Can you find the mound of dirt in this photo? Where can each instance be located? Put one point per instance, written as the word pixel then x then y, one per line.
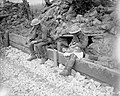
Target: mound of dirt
pixel 15 18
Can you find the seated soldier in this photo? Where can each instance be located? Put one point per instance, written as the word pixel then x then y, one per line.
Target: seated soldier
pixel 75 49
pixel 42 43
pixel 36 35
pixel 39 40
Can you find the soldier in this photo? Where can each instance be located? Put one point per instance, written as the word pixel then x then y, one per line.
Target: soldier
pixel 37 35
pixel 76 49
pixel 42 43
pixel 39 40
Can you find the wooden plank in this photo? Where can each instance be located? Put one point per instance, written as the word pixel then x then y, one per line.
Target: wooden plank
pixel 101 73
pixel 20 47
pixel 19 39
pixel 67 35
pixel 55 55
pixel 18 42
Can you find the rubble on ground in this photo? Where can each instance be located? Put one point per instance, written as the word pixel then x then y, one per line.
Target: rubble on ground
pixel 21 77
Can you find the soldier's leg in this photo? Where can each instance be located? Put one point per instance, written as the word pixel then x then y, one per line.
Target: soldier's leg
pixel 37 50
pixel 93 54
pixel 33 56
pixel 69 64
pixel 42 51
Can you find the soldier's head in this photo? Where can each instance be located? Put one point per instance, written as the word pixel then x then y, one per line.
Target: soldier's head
pixel 35 22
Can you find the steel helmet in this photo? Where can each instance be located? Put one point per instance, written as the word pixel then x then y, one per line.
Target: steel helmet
pixel 35 22
pixel 74 29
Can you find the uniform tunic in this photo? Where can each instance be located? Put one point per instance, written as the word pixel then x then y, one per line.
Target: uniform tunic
pixel 42 37
pixel 37 32
pixel 77 45
pixel 45 40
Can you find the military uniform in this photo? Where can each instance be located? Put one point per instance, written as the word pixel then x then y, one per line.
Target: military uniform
pixel 36 28
pixel 75 50
pixel 42 43
pixel 39 40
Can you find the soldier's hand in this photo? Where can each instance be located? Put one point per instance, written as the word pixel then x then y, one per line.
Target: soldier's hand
pixel 33 42
pixel 67 54
pixel 72 46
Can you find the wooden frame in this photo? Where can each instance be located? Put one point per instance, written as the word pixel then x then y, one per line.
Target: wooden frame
pixel 99 72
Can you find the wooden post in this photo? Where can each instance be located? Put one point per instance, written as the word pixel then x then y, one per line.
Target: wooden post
pixel 55 54
pixel 59 46
pixel 6 35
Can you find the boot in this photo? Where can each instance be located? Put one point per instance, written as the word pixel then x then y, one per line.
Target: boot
pixel 43 60
pixel 68 67
pixel 32 58
pixel 66 72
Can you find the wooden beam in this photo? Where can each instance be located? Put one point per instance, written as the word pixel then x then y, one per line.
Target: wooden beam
pixel 18 39
pixel 98 72
pixel 20 47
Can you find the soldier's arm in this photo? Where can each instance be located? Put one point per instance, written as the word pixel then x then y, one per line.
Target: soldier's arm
pixel 44 34
pixel 84 43
pixel 34 34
